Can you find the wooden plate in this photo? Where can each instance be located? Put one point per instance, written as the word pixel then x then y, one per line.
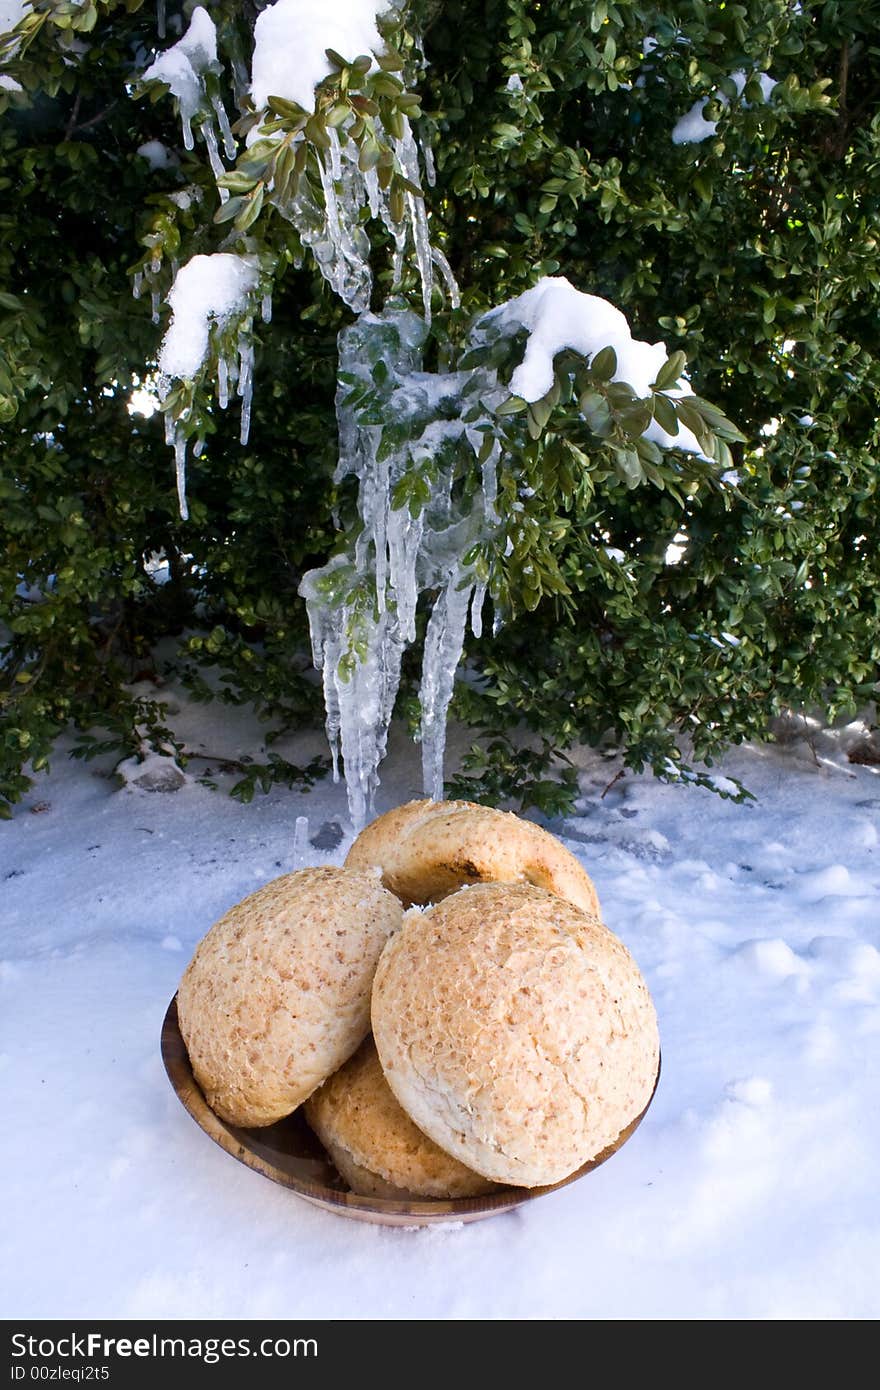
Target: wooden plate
pixel 289 1153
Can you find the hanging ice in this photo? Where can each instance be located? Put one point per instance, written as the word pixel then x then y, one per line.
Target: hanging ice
pixel 208 291
pixel 330 226
pixel 362 606
pixel 444 642
pixel 184 68
pixel 291 39
pixel 425 449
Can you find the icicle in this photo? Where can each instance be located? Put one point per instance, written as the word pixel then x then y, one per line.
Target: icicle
pixel 137 283
pixel 180 470
pixel 198 448
pixel 301 842
pixel 160 18
pixel 477 603
pixel 266 307
pixel 407 152
pixel 444 641
pixel 399 251
pixel 245 432
pixel 225 128
pixel 422 247
pixel 448 277
pixel 338 242
pixel 361 624
pixel 374 192
pixel 404 535
pixel 222 383
pixel 335 155
pixel 245 384
pixel 428 161
pixel 358 698
pixel 154 305
pixel 183 66
pixel 218 169
pixel 490 483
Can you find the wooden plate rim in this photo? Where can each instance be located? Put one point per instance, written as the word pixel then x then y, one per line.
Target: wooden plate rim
pixel 239 1143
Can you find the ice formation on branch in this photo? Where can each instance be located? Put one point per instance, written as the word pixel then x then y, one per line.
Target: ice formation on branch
pixel 208 291
pixel 557 316
pixel 184 68
pixel 425 449
pixel 417 530
pixel 290 59
pixel 291 39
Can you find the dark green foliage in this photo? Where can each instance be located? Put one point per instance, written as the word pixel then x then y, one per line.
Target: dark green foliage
pixel 755 253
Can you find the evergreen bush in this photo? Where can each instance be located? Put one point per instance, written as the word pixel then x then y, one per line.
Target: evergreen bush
pixel 676 616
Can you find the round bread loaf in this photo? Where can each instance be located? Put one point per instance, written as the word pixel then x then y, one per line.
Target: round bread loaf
pixel 428 849
pixel 375 1145
pixel 277 995
pixel 516 1030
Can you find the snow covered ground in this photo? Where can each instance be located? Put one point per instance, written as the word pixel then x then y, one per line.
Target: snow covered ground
pixel 748 1192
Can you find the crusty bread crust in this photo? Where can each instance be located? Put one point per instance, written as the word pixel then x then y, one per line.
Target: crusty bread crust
pixel 428 849
pixel 375 1145
pixel 516 1030
pixel 277 995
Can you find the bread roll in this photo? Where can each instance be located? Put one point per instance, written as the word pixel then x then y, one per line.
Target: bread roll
pixel 428 849
pixel 516 1031
pixel 375 1145
pixel 277 995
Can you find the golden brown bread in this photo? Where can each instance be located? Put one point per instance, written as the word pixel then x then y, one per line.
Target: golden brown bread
pixel 277 995
pixel 375 1145
pixel 516 1030
pixel 428 849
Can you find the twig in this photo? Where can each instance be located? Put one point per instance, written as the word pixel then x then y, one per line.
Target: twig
pixel 810 739
pixel 95 120
pixel 72 128
pixel 616 778
pixel 217 758
pixel 71 121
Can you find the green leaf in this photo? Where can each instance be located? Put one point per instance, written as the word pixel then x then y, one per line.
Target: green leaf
pixel 390 60
pixel 541 411
pixel 231 208
pixel 670 372
pixel 514 405
pixel 281 106
pixel 251 211
pixel 665 413
pixel 236 182
pixel 629 466
pixel 604 364
pixel 369 156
